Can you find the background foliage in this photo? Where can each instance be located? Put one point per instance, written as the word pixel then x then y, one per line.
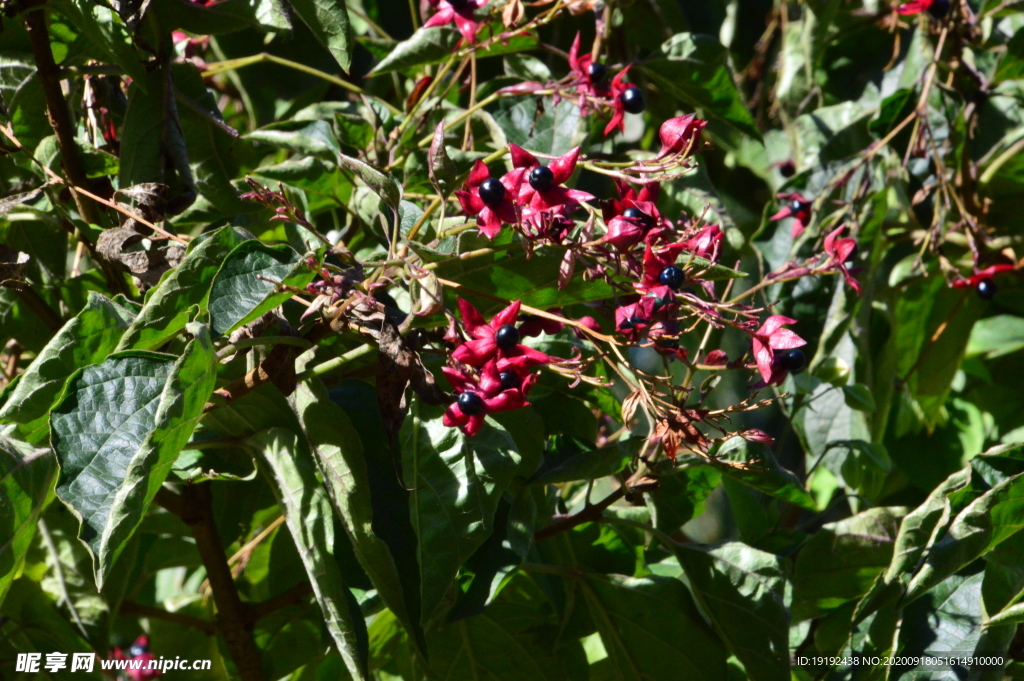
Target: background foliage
pixel 176 460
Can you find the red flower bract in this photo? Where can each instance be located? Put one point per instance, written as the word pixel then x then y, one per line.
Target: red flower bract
pixel 680 134
pixel 493 397
pixel 798 208
pixel 490 218
pixel 769 338
pixel 979 275
pixel 838 251
pixel 462 16
pixel 556 195
pixel 484 347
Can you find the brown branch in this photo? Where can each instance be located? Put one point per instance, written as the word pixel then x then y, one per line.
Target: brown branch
pixel 60 121
pixel 139 610
pixel 281 600
pixel 234 617
pixel 589 514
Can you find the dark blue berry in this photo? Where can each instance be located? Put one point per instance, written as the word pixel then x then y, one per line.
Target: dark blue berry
pixel 509 380
pixel 507 337
pixel 787 169
pixel 634 213
pixel 792 361
pixel 597 72
pixel 987 289
pixel 492 191
pixel 541 178
pixel 138 649
pixel 471 404
pixel 673 277
pixel 797 206
pixel 633 100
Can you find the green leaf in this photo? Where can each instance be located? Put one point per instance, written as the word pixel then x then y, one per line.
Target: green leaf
pixel 167 305
pixel 515 639
pixel 244 286
pixel 765 473
pixel 85 339
pixel 680 497
pixel 694 68
pixel 328 19
pixel 573 459
pixel 742 591
pixel 651 629
pixel 456 482
pixel 26 481
pixel 379 182
pixel 222 17
pixel 1011 66
pixel 996 336
pixel 311 138
pixel 339 453
pixel 105 30
pixel 839 563
pixel 117 431
pixel 986 522
pixel 310 519
pixel 858 396
pixel 426 46
pixel 922 527
pixel 555 130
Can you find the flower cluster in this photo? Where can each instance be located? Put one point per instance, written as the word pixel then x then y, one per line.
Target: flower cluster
pixel 139 650
pixel 492 371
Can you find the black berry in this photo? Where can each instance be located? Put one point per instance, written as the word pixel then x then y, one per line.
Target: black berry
pixel 787 169
pixel 471 404
pixel 138 649
pixel 987 289
pixel 667 344
pixel 492 192
pixel 597 72
pixel 509 380
pixel 507 337
pixel 939 9
pixel 797 206
pixel 633 100
pixel 541 178
pixel 634 213
pixel 673 277
pixel 792 361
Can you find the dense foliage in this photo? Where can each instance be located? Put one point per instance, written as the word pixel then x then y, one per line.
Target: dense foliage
pixel 565 340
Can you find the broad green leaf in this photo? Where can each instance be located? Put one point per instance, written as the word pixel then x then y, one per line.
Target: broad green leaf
pixel 167 305
pixel 23 97
pixel 310 519
pixel 85 339
pixel 996 336
pixel 106 32
pixel 26 481
pixel 839 563
pixel 922 527
pixel 379 182
pixel 1011 65
pixel 227 16
pixel 651 629
pixel 456 482
pixel 425 46
pixel 986 522
pixel 244 286
pixel 573 459
pixel 515 639
pixel 328 19
pixel 212 149
pixel 555 131
pixel 695 69
pixel 339 452
pixel 741 590
pixel 309 138
pixel 680 497
pixel 118 429
pixel 858 396
pixel 764 472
